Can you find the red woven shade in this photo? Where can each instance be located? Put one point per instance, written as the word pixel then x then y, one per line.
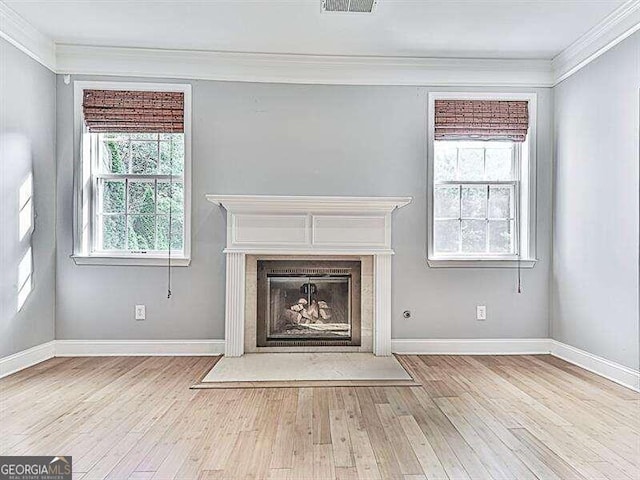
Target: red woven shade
pixel 481 120
pixel 133 111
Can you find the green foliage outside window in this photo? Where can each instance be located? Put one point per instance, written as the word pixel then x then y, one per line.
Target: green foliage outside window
pixel 134 211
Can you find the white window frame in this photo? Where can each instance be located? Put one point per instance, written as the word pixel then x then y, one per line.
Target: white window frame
pixel 84 191
pixel 525 197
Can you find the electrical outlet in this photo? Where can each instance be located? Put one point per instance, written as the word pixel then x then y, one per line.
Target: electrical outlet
pixel 481 312
pixel 141 312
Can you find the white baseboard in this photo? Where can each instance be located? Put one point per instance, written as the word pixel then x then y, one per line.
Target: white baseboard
pixel 96 348
pixel 498 346
pixel 26 358
pixel 521 346
pixel 613 371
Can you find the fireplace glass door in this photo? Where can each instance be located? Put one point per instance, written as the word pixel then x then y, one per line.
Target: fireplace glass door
pixel 309 307
pixel 308 303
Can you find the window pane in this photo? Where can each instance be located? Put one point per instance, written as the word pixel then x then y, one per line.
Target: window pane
pixel 177 232
pixel 113 200
pixel 445 163
pixel 141 197
pixel 500 236
pixel 114 154
pixel 498 164
pixel 144 157
pixel 500 202
pixel 474 202
pixel 446 235
pixel 141 232
pixel 113 232
pixel 471 164
pixel 447 202
pixel 474 236
pixel 176 201
pixel 172 153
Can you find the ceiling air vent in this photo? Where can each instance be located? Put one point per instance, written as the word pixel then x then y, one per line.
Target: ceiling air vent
pixel 349 6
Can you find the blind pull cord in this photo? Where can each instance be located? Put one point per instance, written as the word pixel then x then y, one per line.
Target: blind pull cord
pixel 170 218
pixel 519 280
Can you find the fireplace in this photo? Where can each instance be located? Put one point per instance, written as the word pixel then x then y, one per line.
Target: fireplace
pixel 313 230
pixel 308 303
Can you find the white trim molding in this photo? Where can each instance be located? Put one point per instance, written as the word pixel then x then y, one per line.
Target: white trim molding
pixel 471 346
pixel 302 69
pixel 27 358
pixel 613 371
pixel 234 305
pixel 382 305
pixel 613 29
pixel 140 261
pixel 481 263
pixel 108 348
pixel 24 36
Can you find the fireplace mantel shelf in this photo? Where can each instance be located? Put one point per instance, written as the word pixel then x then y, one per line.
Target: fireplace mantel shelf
pixel 314 204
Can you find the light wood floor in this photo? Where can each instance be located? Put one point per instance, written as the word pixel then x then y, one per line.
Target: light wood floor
pixel 479 417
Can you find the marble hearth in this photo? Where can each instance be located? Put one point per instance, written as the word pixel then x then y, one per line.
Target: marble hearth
pixel 316 230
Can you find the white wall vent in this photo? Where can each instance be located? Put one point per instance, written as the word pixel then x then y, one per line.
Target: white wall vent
pixel 349 6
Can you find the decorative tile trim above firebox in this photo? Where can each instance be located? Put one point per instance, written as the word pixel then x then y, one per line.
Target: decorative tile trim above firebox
pixel 307 225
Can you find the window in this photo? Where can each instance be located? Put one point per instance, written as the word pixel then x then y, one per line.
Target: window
pixel 480 188
pixel 135 175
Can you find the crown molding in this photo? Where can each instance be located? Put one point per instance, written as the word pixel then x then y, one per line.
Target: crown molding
pixel 319 69
pixel 24 36
pixel 613 29
pixel 301 69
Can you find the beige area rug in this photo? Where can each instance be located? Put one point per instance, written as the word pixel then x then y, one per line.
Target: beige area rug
pixel 262 370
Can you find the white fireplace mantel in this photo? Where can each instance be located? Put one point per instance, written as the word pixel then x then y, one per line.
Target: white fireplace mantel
pixel 307 225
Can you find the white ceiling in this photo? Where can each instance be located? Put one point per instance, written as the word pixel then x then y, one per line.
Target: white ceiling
pixel 417 28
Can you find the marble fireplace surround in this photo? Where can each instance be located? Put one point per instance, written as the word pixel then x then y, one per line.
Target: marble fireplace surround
pixel 299 227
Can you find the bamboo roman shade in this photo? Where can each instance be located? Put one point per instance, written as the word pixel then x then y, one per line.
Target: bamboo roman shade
pixel 481 120
pixel 133 111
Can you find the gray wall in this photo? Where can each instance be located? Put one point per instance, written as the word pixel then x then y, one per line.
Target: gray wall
pixel 305 140
pixel 27 143
pixel 595 260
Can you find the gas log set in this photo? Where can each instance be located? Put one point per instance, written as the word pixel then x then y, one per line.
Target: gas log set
pixel 304 312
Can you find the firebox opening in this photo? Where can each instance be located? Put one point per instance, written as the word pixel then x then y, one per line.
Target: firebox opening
pixel 313 303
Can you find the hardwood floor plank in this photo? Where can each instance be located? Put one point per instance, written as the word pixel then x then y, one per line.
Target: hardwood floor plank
pixel 399 442
pixel 282 457
pixel 429 461
pixel 340 440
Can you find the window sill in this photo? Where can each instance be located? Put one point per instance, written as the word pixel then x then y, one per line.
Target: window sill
pixel 150 261
pixel 479 263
